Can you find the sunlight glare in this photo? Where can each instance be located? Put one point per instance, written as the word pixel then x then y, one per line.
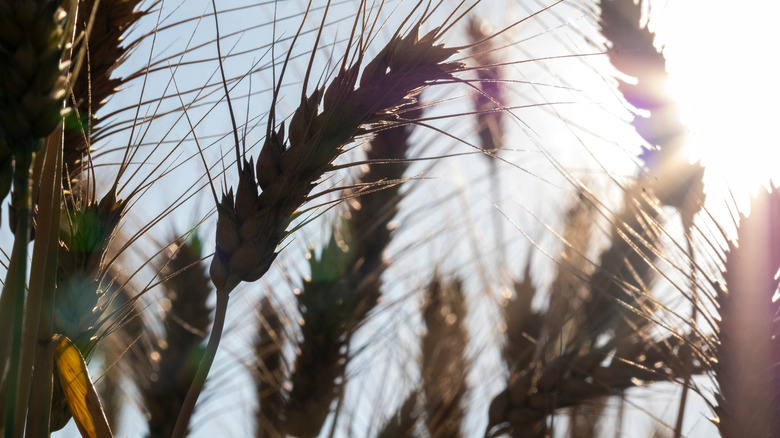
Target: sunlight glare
pixel 724 73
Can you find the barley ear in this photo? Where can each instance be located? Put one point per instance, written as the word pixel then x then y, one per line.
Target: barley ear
pixel 250 226
pixel 103 24
pixel 670 177
pixel 577 378
pixel 523 325
pixel 345 281
pixel 271 373
pixel 186 320
pixel 444 363
pixel 488 97
pixel 746 370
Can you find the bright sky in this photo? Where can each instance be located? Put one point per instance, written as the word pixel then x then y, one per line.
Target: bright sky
pixel 725 71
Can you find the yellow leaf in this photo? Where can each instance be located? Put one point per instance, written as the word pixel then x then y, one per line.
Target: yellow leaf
pixel 82 399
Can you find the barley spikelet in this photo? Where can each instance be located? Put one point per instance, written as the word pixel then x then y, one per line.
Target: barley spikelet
pixel 747 367
pixel 444 365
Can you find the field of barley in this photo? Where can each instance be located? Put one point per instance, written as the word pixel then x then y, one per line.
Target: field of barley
pixel 388 218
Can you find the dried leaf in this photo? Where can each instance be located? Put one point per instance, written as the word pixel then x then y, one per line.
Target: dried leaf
pixel 82 398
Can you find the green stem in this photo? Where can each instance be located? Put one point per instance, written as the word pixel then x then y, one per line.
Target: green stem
pixel 39 417
pixel 188 406
pixel 15 280
pixel 40 299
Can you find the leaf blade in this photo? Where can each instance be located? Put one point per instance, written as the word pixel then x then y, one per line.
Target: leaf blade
pixel 80 392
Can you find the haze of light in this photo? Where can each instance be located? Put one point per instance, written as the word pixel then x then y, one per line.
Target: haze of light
pixel 724 74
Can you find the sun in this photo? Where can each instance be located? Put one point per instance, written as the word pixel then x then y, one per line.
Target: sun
pixel 725 75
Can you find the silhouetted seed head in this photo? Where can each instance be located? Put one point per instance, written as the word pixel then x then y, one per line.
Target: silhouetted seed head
pixel 487 100
pixel 250 227
pixel 746 369
pixel 670 176
pixel 85 235
pixel 96 80
pixel 31 80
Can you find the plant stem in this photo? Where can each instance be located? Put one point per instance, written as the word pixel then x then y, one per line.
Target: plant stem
pixel 15 280
pixel 686 353
pixel 188 406
pixel 40 298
